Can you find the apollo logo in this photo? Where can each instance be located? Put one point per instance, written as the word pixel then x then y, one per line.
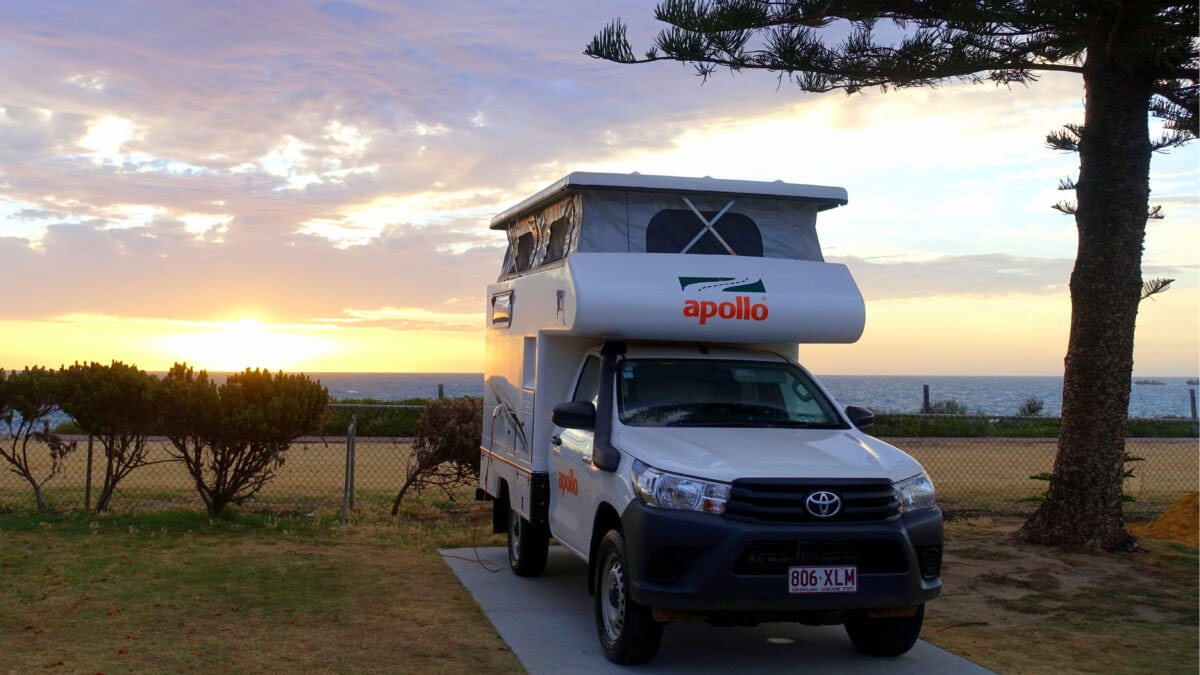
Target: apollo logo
pixel 740 308
pixel 567 482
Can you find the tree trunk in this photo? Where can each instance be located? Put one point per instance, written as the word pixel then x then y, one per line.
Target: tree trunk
pixel 1083 504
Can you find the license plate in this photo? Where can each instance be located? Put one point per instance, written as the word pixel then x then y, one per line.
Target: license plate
pixel 835 579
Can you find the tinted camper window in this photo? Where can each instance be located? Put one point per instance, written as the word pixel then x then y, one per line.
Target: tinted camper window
pixel 524 253
pixel 671 230
pixel 556 245
pixel 588 389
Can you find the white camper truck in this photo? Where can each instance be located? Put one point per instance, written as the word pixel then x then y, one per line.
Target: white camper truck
pixel 644 407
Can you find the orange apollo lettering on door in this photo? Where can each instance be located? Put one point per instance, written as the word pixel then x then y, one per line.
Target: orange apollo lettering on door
pixel 567 482
pixel 740 307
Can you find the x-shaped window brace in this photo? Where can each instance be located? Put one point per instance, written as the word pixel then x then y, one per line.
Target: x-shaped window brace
pixel 708 226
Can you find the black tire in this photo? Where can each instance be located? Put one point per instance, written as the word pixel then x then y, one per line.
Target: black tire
pixel 886 636
pixel 527 546
pixel 628 632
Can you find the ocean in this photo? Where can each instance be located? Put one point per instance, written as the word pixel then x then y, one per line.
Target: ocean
pixel 880 393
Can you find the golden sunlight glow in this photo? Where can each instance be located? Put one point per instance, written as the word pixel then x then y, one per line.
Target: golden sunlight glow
pixel 1005 335
pixel 246 343
pixel 155 344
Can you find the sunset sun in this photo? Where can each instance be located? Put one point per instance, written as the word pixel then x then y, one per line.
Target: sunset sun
pixel 247 343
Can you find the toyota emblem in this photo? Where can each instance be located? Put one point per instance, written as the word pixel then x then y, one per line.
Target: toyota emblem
pixel 823 504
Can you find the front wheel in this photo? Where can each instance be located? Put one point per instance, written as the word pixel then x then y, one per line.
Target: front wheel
pixel 628 632
pixel 528 545
pixel 886 636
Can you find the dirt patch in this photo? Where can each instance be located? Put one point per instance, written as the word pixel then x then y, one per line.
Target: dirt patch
pixel 1017 607
pixel 1180 523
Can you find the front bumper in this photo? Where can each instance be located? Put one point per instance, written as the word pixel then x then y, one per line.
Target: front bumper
pixel 696 562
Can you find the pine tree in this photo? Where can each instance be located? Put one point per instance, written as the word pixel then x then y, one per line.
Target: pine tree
pixel 1136 58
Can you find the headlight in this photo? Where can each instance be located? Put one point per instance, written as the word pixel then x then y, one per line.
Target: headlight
pixel 916 493
pixel 669 491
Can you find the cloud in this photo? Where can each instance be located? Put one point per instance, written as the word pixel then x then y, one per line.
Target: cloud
pixel 975 276
pixel 958 276
pixel 164 270
pixel 340 160
pixel 408 318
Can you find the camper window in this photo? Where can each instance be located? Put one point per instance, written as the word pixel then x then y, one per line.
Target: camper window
pixel 502 309
pixel 672 230
pixel 556 243
pixel 588 389
pixel 523 252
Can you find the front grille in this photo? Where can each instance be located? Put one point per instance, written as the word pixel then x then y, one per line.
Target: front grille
pixel 782 500
pixel 775 557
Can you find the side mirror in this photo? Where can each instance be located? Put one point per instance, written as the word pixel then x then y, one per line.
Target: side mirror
pixel 574 415
pixel 860 416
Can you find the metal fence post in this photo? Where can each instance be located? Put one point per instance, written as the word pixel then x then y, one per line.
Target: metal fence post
pixel 1192 396
pixel 348 487
pixel 87 489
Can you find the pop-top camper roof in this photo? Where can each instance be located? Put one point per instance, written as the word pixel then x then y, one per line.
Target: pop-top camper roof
pixel 667 258
pixel 825 197
pixel 635 213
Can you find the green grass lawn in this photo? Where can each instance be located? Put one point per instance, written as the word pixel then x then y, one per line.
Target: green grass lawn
pixel 178 592
pixel 181 592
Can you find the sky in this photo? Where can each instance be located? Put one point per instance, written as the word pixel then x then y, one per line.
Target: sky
pixel 306 186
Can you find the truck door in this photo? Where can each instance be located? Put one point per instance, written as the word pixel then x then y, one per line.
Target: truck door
pixel 574 482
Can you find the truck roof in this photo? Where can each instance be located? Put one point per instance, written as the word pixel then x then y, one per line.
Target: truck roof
pixel 823 197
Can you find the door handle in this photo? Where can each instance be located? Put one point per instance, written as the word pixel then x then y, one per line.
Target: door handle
pixel 555 440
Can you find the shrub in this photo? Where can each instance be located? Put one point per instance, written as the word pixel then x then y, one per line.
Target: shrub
pixel 446 450
pixel 1162 427
pixel 891 425
pixel 917 426
pixel 27 400
pixel 116 404
pixel 231 438
pixel 1032 407
pixel 386 422
pixel 947 407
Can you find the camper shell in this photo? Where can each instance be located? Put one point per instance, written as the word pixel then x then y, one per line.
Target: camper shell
pixel 614 286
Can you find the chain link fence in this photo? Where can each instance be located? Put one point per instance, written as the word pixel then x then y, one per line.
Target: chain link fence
pixel 332 474
pixel 1005 476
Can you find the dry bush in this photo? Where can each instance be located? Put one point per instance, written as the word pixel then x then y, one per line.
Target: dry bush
pixel 446 451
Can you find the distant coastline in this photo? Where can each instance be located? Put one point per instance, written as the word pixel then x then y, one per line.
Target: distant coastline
pixel 991 395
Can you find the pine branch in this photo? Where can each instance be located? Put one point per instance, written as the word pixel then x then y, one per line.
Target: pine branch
pixel 1003 41
pixel 1152 287
pixel 1066 208
pixel 611 44
pixel 1065 140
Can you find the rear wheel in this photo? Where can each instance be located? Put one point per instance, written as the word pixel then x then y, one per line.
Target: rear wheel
pixel 628 632
pixel 886 636
pixel 528 545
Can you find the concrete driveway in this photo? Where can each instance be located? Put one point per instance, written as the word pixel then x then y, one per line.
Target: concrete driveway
pixel 548 623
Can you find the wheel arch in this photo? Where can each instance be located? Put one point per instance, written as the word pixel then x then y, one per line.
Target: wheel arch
pixel 606 519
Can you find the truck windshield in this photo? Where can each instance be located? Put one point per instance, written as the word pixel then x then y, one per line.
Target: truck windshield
pixel 720 393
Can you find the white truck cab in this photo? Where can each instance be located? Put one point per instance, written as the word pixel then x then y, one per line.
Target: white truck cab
pixel 645 408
